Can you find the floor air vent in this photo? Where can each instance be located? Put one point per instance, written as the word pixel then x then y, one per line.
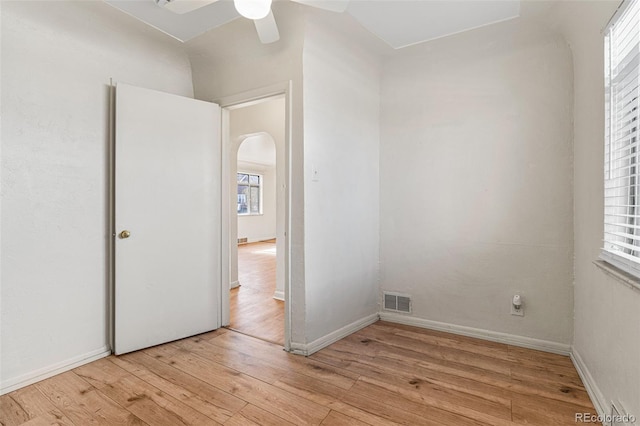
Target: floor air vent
pixel 397 302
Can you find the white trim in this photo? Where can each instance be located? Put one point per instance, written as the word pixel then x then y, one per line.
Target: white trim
pixel 499 21
pixel 278 295
pixel 596 396
pixel 620 274
pixel 224 317
pixel 627 265
pixel 493 336
pixel 46 372
pixel 614 18
pixel 111 247
pixel 258 239
pixel 227 104
pixel 324 341
pixel 255 96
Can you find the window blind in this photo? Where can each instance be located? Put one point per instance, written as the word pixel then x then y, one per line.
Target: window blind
pixel 622 150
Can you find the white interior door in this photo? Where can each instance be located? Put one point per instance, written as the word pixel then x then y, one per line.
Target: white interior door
pixel 167 198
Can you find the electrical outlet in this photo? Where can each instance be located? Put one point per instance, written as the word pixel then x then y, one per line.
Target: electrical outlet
pixel 517 311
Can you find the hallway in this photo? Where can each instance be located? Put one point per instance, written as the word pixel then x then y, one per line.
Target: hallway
pixel 254 311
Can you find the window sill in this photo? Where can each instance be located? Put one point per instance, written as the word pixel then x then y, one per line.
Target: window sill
pixel 617 273
pixel 250 214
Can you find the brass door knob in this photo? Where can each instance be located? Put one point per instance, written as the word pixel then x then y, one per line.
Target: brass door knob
pixel 125 234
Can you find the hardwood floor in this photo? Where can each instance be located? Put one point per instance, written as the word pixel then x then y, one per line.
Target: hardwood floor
pixel 254 311
pixel 385 374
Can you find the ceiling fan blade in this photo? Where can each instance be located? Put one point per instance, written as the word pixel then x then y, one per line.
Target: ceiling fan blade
pixel 183 6
pixel 331 5
pixel 267 29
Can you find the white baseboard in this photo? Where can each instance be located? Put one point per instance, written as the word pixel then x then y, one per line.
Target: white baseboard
pixel 259 239
pixel 263 239
pixel 324 341
pixel 234 284
pixel 597 398
pixel 278 295
pixel 44 373
pixel 494 336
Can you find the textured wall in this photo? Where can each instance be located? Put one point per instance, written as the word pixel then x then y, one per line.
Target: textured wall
pixel 476 179
pixel 607 312
pixel 341 143
pixel 57 58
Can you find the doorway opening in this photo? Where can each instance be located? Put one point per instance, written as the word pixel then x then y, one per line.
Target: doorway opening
pixel 257 301
pixel 255 146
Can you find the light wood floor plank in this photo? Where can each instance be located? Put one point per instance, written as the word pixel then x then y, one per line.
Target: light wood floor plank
pixel 101 373
pixel 253 309
pixel 446 411
pixel 336 419
pixel 274 355
pixel 531 409
pixel 53 418
pixel 454 355
pixel 82 403
pixel 433 367
pixel 208 400
pixel 394 407
pixel 11 413
pixel 406 372
pixel 252 415
pixel 373 358
pixel 265 370
pixel 259 393
pixel 152 405
pixel 448 340
pixel 385 374
pixel 333 397
pixel 32 401
pixel 525 374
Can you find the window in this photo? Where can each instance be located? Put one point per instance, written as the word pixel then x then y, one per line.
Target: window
pixel 622 150
pixel 249 189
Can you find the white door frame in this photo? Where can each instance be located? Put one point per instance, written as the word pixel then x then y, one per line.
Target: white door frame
pixel 227 104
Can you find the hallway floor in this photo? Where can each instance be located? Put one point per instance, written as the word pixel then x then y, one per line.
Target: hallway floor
pixel 254 311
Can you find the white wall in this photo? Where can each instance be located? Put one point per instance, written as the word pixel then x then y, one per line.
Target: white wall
pixel 257 155
pixel 57 58
pixel 341 143
pixel 607 313
pixel 476 179
pixel 263 226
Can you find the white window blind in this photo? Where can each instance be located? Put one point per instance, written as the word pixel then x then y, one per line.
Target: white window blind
pixel 622 153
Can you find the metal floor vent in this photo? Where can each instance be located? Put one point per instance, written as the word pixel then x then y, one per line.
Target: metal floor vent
pixel 397 302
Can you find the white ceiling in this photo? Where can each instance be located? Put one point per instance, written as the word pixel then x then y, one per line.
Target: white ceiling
pixel 399 23
pixel 402 23
pixel 183 27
